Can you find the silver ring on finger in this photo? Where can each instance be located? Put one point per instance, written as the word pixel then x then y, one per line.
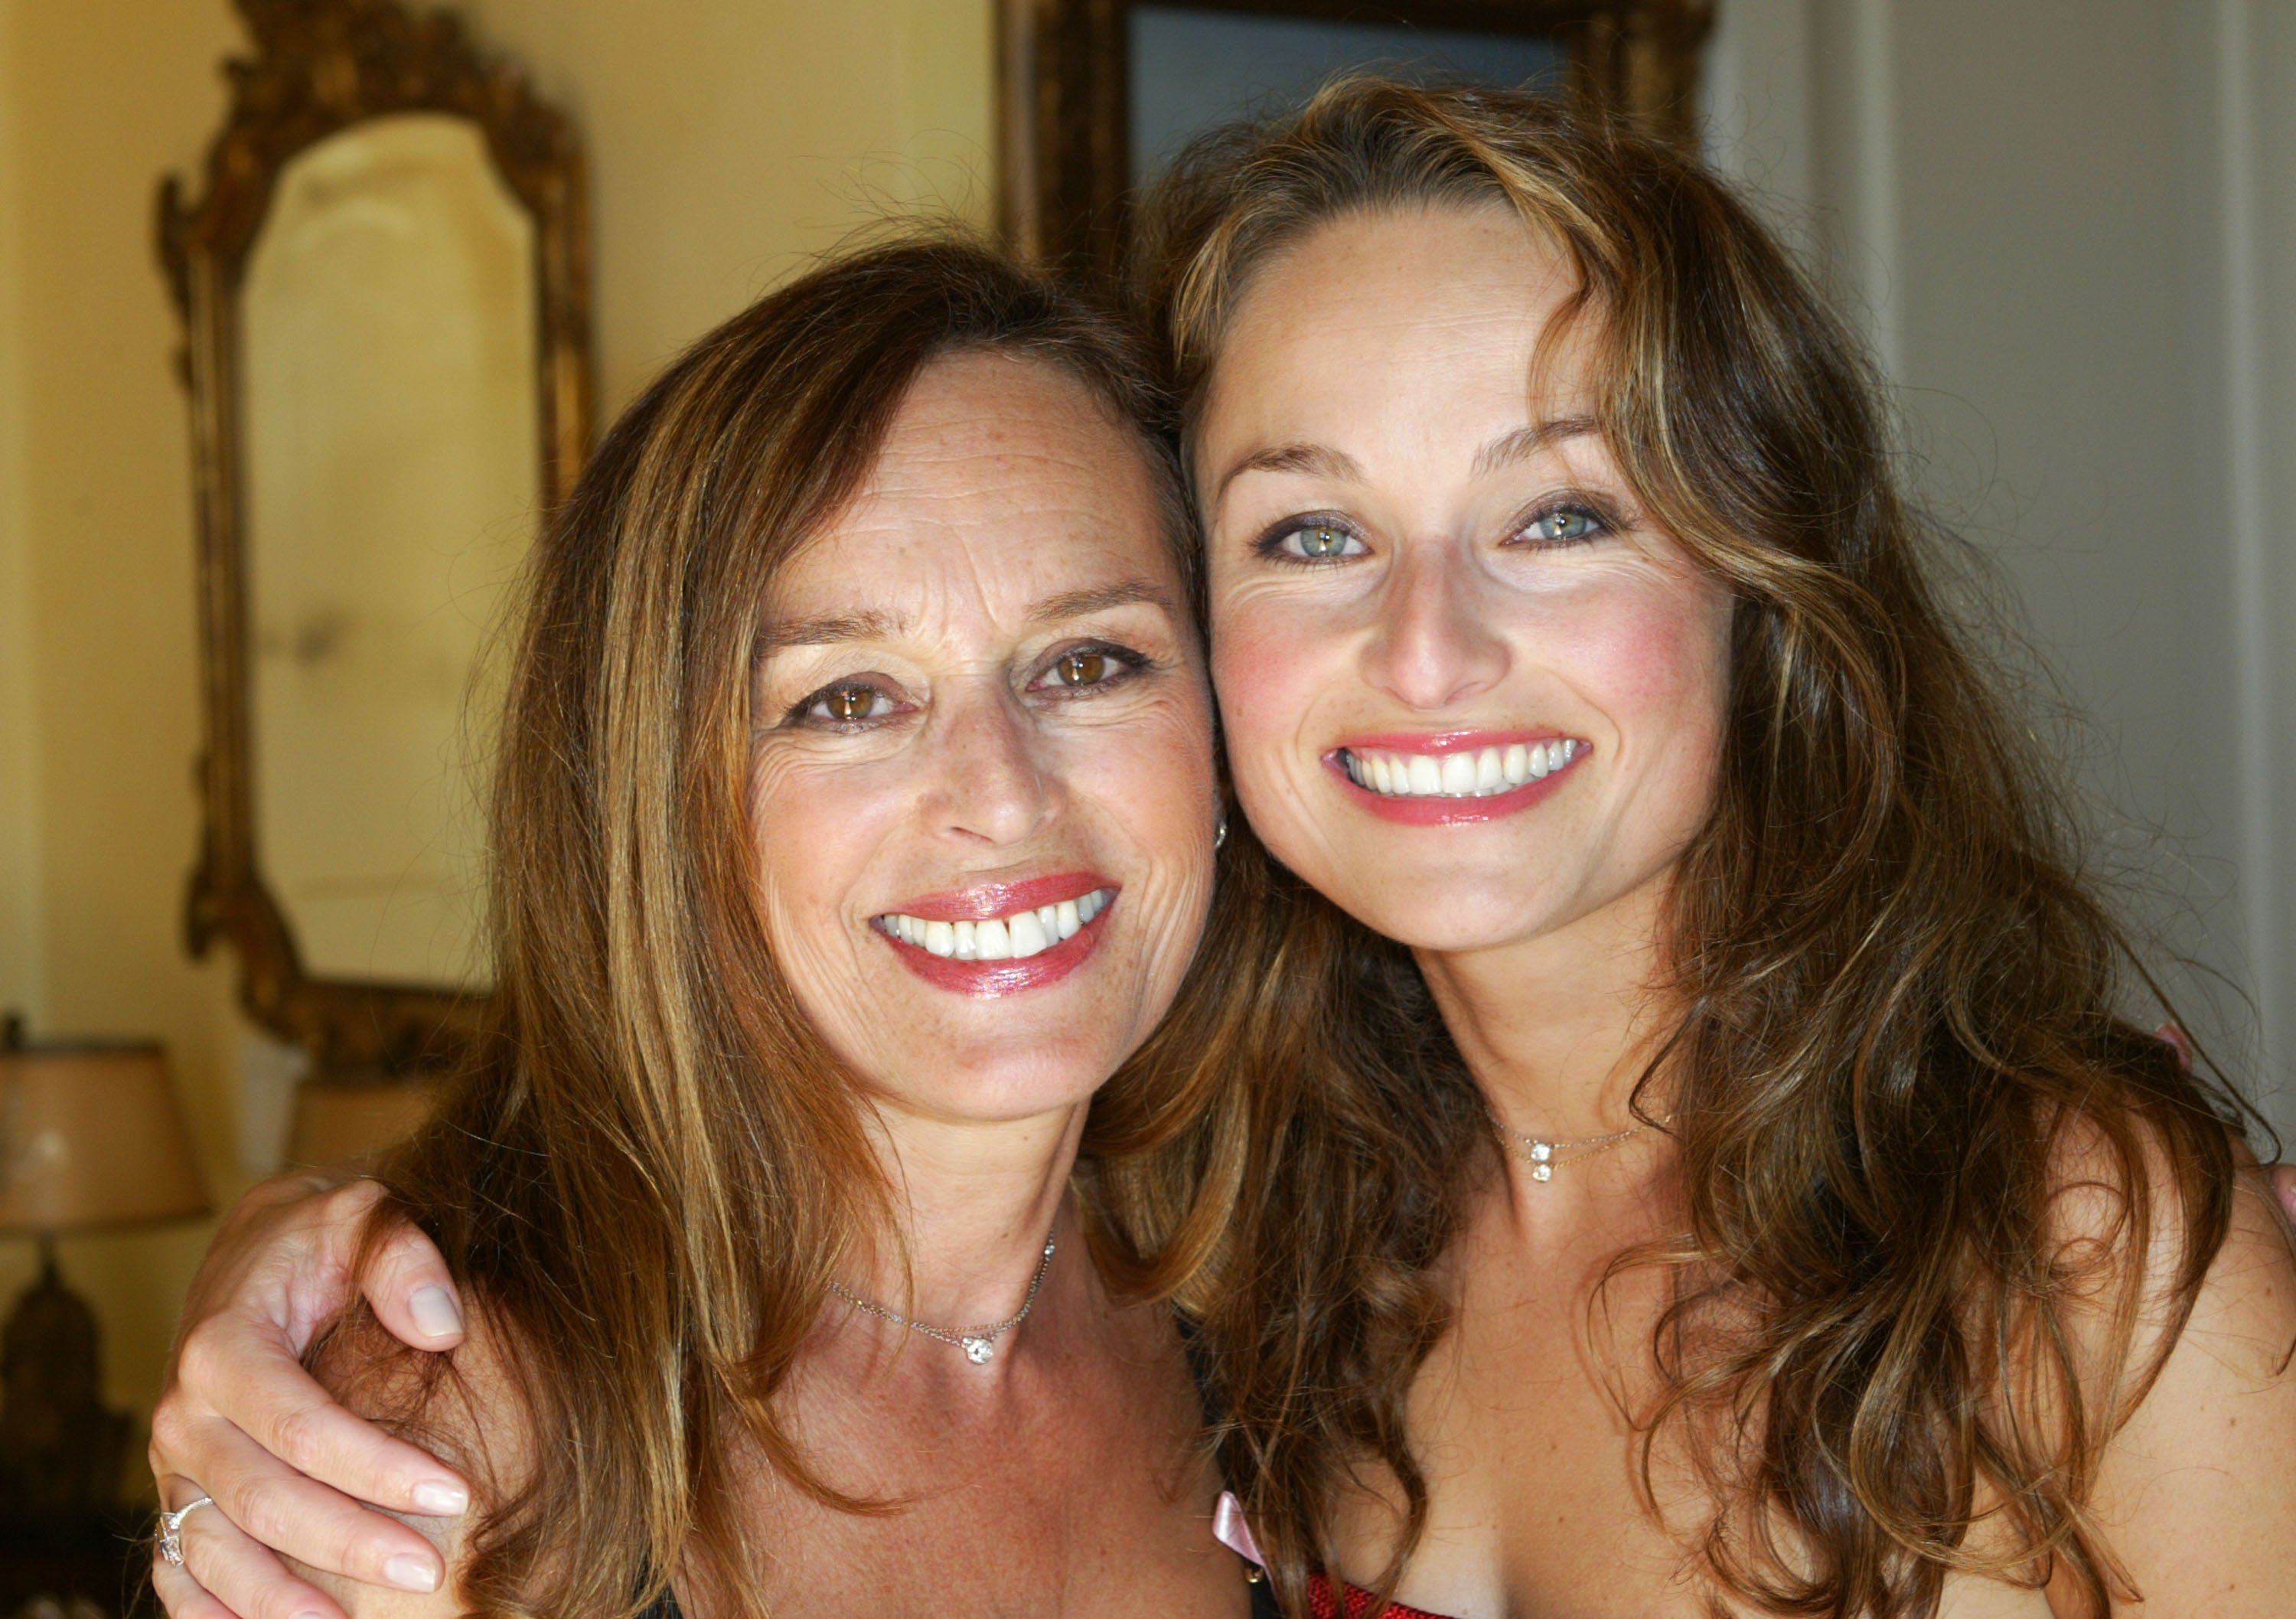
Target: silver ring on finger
pixel 171 1529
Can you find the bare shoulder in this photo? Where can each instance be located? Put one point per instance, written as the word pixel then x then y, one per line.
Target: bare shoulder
pixel 466 1406
pixel 2195 1497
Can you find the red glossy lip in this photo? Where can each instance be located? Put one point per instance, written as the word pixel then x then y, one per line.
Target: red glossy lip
pixel 989 979
pixel 1416 811
pixel 1436 743
pixel 991 900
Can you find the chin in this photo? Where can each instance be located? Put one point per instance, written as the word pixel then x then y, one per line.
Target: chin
pixel 994 1093
pixel 1449 910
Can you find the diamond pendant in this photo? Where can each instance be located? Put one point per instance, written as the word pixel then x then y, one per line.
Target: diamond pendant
pixel 1542 1166
pixel 979 1350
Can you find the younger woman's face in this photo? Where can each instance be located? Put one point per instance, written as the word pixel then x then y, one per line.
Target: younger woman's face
pixel 981 789
pixel 1470 693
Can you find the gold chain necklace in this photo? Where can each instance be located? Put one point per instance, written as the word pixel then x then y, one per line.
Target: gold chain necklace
pixel 1546 1156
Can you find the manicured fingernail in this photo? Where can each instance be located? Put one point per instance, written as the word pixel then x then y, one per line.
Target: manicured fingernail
pixel 310 1615
pixel 435 1315
pixel 411 1574
pixel 440 1501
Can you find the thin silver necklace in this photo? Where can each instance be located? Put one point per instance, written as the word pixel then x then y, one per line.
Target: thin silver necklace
pixel 977 1343
pixel 1546 1156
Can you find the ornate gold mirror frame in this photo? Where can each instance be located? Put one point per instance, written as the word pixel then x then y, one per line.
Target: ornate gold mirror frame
pixel 1065 91
pixel 322 66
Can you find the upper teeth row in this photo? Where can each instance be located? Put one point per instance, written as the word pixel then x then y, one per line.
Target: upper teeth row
pixel 1475 774
pixel 1012 938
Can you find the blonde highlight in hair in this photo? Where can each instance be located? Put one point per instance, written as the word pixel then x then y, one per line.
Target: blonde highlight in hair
pixel 1898 1052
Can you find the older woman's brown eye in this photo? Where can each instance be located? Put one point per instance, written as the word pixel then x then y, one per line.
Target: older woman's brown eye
pixel 848 704
pixel 1082 669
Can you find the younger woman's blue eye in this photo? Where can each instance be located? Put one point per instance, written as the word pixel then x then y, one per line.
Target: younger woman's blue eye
pixel 1563 525
pixel 1319 542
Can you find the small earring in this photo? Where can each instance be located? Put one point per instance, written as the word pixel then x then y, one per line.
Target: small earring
pixel 1219 834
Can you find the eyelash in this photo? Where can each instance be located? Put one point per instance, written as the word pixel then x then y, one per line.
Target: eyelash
pixel 1273 545
pixel 1128 663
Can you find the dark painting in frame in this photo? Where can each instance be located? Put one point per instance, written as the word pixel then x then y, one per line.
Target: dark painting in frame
pixel 1075 107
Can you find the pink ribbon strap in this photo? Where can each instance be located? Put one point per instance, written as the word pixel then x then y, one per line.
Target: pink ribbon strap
pixel 1233 1532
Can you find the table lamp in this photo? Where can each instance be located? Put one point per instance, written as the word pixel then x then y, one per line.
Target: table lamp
pixel 92 1139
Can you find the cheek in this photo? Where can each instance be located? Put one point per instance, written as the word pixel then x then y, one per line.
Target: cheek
pixel 814 829
pixel 1270 668
pixel 1658 666
pixel 1152 776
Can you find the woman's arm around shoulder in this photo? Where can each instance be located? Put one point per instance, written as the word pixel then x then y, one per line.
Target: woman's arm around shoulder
pixel 2195 1497
pixel 466 1405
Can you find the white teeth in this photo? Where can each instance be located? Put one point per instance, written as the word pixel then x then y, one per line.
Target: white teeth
pixel 1464 775
pixel 1013 937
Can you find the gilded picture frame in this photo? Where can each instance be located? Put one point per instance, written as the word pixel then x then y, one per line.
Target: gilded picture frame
pixel 1064 92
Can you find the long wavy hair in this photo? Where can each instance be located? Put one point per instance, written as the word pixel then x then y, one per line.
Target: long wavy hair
pixel 1896 1039
pixel 652 1169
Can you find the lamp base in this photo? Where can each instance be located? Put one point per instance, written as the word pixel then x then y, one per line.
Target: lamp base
pixel 61 1450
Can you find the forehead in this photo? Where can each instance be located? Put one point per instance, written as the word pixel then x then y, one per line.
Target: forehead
pixel 1428 315
pixel 1001 479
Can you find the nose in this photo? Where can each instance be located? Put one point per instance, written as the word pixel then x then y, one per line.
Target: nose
pixel 989 780
pixel 1431 646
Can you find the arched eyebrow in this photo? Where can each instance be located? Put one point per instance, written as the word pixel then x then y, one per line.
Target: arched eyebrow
pixel 1080 603
pixel 1525 442
pixel 1317 458
pixel 827 630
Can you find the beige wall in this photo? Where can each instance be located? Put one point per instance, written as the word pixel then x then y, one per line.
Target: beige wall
pixel 728 140
pixel 2069 228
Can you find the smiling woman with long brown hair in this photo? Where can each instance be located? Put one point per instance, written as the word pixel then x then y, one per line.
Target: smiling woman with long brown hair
pixel 855 819
pixel 1795 1221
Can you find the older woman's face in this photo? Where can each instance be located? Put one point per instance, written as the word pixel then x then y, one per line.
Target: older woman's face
pixel 1469 693
pixel 982 791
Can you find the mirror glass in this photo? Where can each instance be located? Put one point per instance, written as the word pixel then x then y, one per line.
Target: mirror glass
pixel 392 457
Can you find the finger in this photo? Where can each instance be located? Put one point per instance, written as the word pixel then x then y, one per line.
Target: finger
pixel 2283 1187
pixel 250 1378
pixel 270 1502
pixel 242 1577
pixel 412 1294
pixel 183 1598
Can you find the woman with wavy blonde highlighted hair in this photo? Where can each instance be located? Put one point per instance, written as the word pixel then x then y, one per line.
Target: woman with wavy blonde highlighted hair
pixel 1793 1221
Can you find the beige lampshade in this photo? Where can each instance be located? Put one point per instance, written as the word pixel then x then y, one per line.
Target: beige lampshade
pixel 344 1124
pixel 92 1136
